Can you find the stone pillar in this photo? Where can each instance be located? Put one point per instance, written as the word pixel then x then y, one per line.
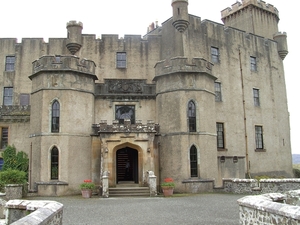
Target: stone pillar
pixel 105 186
pixel 13 191
pixel 152 183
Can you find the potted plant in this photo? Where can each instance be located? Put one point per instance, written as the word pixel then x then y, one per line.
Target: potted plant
pixel 168 187
pixel 13 181
pixel 87 188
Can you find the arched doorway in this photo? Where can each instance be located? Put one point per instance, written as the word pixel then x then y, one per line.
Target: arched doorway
pixel 127 165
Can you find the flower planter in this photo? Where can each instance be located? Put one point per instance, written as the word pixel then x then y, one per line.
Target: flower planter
pixel 13 191
pixel 167 191
pixel 86 193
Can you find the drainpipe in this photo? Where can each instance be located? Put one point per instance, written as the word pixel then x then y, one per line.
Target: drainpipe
pixel 30 165
pixel 245 117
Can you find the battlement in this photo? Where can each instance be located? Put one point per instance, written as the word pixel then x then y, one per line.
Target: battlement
pixel 245 3
pixel 74 23
pixel 183 64
pixel 50 63
pixel 115 127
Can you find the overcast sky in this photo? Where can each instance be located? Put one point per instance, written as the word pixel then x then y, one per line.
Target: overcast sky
pixel 44 19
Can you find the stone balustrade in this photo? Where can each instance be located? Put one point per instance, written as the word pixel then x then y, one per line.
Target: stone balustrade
pixel 20 212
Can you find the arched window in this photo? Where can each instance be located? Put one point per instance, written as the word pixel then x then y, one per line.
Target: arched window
pixel 55 113
pixel 54 164
pixel 192 116
pixel 194 161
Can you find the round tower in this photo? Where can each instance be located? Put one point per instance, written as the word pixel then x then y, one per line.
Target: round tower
pixel 180 14
pixel 74 41
pixel 62 104
pixel 185 110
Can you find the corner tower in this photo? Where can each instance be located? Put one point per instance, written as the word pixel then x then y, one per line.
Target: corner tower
pixel 180 14
pixel 252 16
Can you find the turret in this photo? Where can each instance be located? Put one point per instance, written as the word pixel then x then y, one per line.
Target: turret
pixel 281 39
pixel 74 42
pixel 180 14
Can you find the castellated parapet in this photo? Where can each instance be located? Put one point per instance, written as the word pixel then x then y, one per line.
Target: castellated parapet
pixel 252 16
pixel 245 3
pixel 50 63
pixel 183 64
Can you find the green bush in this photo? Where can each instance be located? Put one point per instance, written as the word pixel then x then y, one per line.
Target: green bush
pixel 296 173
pixel 11 176
pixel 15 160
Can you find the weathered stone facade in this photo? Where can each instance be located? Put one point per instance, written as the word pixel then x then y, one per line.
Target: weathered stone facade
pixel 84 107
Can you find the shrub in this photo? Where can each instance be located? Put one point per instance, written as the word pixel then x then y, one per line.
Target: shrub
pixel 11 176
pixel 296 173
pixel 15 160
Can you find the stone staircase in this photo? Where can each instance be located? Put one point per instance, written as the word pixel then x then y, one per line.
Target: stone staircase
pixel 129 189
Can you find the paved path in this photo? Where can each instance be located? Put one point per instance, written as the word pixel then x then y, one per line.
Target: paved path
pixel 204 209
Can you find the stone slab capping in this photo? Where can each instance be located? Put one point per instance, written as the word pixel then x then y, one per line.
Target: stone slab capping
pixel 273 208
pixel 20 212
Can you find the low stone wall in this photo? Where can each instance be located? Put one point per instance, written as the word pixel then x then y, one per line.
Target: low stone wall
pixel 197 186
pixel 253 186
pixel 20 212
pixel 239 186
pixel 278 185
pixel 270 209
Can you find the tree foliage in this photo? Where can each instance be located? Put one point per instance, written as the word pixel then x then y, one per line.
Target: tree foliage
pixel 15 160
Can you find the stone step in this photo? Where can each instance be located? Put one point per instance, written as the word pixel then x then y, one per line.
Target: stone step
pixel 129 191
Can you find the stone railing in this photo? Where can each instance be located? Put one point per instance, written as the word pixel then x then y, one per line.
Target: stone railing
pixel 274 208
pixel 21 212
pixel 253 186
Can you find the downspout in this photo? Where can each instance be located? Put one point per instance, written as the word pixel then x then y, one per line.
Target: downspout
pixel 30 166
pixel 245 117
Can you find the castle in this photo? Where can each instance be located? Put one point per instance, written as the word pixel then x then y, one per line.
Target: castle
pixel 193 99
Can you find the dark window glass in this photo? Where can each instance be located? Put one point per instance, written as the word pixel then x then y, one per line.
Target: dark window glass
pixel 220 135
pixel 218 92
pixel 10 63
pixel 192 116
pixel 194 161
pixel 259 137
pixel 54 164
pixel 4 137
pixel 121 59
pixel 1 163
pixel 256 97
pixel 215 55
pixel 55 117
pixel 253 64
pixel 8 96
pixel 125 112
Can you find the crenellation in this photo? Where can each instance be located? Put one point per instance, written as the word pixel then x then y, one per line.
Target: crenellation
pixel 183 64
pixel 48 63
pixel 245 3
